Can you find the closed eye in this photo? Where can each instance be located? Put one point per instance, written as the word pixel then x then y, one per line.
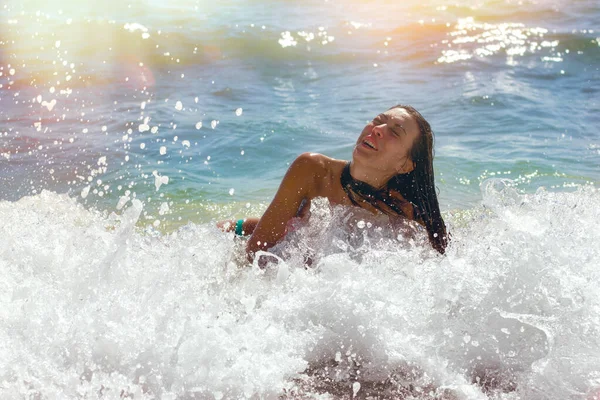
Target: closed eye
pixel 378 121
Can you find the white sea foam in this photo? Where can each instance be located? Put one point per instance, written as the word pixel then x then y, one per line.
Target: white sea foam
pixel 93 307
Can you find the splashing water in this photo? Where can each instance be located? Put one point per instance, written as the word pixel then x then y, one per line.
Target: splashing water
pixel 93 306
pixel 156 115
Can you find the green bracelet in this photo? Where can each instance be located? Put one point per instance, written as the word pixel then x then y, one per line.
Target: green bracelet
pixel 238 227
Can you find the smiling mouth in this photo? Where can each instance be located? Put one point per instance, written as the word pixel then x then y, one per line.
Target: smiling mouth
pixel 368 144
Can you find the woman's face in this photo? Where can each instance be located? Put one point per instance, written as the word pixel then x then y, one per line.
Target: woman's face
pixel 385 142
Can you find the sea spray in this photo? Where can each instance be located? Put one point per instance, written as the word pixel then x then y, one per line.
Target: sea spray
pixel 91 304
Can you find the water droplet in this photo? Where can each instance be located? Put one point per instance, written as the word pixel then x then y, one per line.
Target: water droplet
pixel 238 112
pixel 179 106
pixel 214 123
pixel 164 208
pixel 361 224
pixel 49 105
pixel 231 191
pixel 199 125
pixel 142 146
pixel 122 201
pixel 163 150
pixel 160 180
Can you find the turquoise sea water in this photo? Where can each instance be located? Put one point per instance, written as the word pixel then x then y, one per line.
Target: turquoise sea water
pixel 128 128
pixel 510 90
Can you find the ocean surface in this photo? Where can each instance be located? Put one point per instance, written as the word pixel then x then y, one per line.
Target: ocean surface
pixel 127 128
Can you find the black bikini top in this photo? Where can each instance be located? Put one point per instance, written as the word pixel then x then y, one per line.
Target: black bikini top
pixel 383 199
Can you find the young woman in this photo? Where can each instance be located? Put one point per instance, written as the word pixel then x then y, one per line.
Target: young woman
pixel 391 173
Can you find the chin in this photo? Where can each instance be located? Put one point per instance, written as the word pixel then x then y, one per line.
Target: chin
pixel 360 159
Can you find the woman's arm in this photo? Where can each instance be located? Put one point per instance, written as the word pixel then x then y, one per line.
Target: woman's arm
pixel 297 185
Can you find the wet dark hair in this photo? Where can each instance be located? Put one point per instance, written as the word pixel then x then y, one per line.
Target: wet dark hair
pixel 417 187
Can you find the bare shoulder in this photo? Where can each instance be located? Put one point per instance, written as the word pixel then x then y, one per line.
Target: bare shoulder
pixel 318 164
pixel 321 171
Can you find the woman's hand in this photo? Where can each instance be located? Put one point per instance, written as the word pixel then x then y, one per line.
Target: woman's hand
pixel 405 205
pixel 226 226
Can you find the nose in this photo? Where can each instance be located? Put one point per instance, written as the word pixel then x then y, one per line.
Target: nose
pixel 378 130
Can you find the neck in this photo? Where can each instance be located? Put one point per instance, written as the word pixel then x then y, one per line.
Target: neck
pixel 374 177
